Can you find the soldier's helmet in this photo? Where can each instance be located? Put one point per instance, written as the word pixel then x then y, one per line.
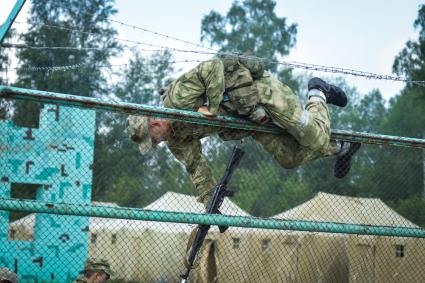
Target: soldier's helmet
pixel 7 275
pixel 138 131
pixel 96 264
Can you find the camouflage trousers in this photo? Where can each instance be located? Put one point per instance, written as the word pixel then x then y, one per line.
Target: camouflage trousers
pixel 307 137
pixel 302 142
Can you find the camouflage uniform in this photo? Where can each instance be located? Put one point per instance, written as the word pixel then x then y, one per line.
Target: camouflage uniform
pixel 190 91
pixel 7 275
pixel 308 129
pixel 94 265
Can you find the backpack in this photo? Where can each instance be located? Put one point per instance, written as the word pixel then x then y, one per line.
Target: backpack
pixel 241 97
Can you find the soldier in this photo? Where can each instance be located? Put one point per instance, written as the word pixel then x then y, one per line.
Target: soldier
pixel 260 97
pixel 95 271
pixel 8 276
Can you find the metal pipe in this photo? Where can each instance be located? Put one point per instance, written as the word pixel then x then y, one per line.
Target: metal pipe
pixel 207 219
pixel 189 116
pixel 4 28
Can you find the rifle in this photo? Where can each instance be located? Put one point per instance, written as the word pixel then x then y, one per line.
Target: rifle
pixel 220 191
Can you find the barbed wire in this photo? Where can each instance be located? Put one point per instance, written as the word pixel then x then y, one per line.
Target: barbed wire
pixel 163 35
pixel 25 46
pixel 125 40
pixel 82 65
pixel 288 64
pixel 158 48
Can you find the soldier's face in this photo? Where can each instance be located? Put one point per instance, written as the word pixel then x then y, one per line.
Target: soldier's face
pixel 158 130
pixel 99 277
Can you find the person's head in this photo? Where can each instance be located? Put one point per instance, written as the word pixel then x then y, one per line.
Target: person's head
pixel 147 132
pixel 97 270
pixel 96 276
pixel 8 276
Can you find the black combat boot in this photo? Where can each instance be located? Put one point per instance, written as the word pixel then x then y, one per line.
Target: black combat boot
pixel 334 95
pixel 343 160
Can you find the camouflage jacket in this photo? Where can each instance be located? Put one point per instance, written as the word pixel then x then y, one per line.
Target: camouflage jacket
pixel 188 93
pixel 203 84
pixel 307 130
pixel 185 144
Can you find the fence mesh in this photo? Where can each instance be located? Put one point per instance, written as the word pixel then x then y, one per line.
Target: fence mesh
pixel 64 155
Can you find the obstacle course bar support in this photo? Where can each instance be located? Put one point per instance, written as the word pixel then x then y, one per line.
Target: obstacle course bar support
pixel 188 116
pixel 4 28
pixel 208 219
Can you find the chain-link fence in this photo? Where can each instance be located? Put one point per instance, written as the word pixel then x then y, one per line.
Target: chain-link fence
pixel 93 192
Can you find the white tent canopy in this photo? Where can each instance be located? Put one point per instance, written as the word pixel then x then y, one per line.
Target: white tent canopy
pixel 175 202
pixel 327 207
pixel 171 202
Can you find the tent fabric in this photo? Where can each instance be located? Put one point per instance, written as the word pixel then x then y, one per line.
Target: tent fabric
pixel 292 256
pixel 141 249
pixel 327 207
pixel 170 201
pixel 147 245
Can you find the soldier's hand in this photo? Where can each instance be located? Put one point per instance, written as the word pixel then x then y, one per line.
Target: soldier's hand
pixel 204 110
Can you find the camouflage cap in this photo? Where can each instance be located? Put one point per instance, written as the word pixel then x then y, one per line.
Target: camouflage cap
pixel 98 265
pixel 138 131
pixel 8 275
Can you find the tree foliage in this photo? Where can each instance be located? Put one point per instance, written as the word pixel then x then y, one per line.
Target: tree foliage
pixel 252 26
pixel 407 118
pixel 78 24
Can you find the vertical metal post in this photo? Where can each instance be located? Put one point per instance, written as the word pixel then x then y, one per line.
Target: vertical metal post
pixel 423 169
pixel 4 28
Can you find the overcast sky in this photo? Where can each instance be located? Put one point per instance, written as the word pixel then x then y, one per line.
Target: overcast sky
pixel 362 35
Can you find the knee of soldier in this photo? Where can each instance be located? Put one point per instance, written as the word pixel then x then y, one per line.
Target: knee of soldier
pixel 311 134
pixel 315 141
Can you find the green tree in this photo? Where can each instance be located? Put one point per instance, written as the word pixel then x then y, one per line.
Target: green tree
pixel 270 190
pixel 84 24
pixel 5 106
pixel 408 109
pixel 407 118
pixel 121 174
pixel 412 208
pixel 252 26
pixel 4 60
pixel 411 60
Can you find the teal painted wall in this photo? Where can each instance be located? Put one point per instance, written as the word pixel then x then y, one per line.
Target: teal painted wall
pixel 59 156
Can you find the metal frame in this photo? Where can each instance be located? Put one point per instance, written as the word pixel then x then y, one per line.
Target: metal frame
pixel 189 116
pixel 208 219
pixel 4 28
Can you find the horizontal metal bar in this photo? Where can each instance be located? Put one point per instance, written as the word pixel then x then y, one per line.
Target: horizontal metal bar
pixel 189 116
pixel 130 108
pixel 208 219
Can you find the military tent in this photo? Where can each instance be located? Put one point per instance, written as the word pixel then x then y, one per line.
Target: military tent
pixel 368 258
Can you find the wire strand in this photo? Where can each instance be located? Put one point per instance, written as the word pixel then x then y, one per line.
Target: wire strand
pixel 164 35
pixel 157 48
pixel 82 65
pixel 288 64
